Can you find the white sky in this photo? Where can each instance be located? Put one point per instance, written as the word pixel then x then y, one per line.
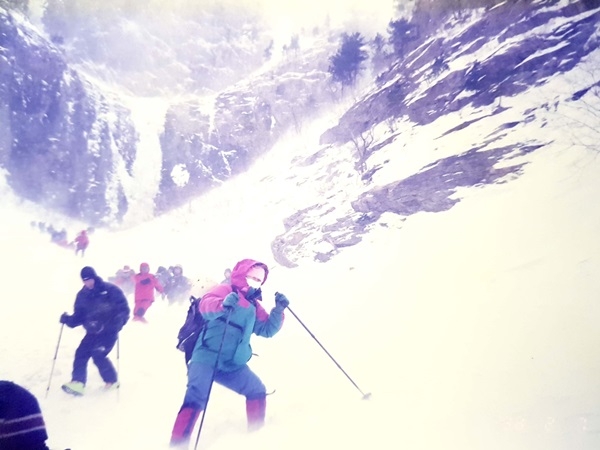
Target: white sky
pixel 362 14
pixel 291 16
pixel 475 328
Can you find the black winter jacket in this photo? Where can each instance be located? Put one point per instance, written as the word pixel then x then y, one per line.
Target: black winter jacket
pixel 101 309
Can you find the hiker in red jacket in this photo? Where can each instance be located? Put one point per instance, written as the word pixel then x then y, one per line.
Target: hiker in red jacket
pixel 82 240
pixel 145 284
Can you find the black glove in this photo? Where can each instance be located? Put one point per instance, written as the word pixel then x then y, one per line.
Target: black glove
pixel 281 301
pixel 231 300
pixel 93 326
pixel 65 319
pixel 253 294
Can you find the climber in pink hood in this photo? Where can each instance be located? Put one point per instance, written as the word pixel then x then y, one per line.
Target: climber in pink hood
pixel 145 284
pixel 233 313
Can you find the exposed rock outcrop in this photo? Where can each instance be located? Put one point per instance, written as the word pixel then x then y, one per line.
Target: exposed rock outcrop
pixel 207 141
pixel 495 55
pixel 62 139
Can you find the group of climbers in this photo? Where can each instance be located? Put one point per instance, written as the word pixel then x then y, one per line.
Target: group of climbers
pixel 170 283
pixel 232 312
pixel 60 237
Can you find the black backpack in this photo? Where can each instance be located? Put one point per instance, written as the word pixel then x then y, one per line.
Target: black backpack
pixel 191 330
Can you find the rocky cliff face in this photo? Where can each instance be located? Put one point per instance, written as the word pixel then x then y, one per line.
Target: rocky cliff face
pixel 62 140
pixel 471 68
pixel 528 44
pixel 69 143
pixel 205 143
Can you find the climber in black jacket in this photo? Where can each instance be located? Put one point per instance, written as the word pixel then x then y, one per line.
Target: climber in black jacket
pixel 102 309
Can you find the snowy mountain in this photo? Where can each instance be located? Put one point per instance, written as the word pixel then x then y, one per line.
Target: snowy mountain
pixel 76 132
pixel 449 266
pixel 87 132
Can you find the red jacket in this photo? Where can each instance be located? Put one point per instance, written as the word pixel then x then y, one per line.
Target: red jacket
pixel 82 240
pixel 145 284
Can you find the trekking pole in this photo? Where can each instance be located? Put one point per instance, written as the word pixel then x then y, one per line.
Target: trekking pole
pixel 62 325
pixel 118 367
pixel 212 379
pixel 364 396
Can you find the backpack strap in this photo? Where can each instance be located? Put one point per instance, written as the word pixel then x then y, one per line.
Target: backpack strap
pixel 234 325
pixel 202 331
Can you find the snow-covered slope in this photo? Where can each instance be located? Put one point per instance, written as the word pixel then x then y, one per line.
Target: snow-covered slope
pixel 472 328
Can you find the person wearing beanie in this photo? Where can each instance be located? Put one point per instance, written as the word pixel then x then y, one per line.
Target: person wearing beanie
pixel 102 309
pixel 21 423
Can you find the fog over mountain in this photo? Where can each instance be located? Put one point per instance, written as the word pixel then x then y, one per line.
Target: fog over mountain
pixel 433 223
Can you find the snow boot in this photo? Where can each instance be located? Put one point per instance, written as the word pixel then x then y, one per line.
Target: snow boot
pixel 255 411
pixel 140 319
pixel 74 388
pixel 112 386
pixel 184 425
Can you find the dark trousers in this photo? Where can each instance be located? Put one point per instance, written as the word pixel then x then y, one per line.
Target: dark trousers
pixel 97 347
